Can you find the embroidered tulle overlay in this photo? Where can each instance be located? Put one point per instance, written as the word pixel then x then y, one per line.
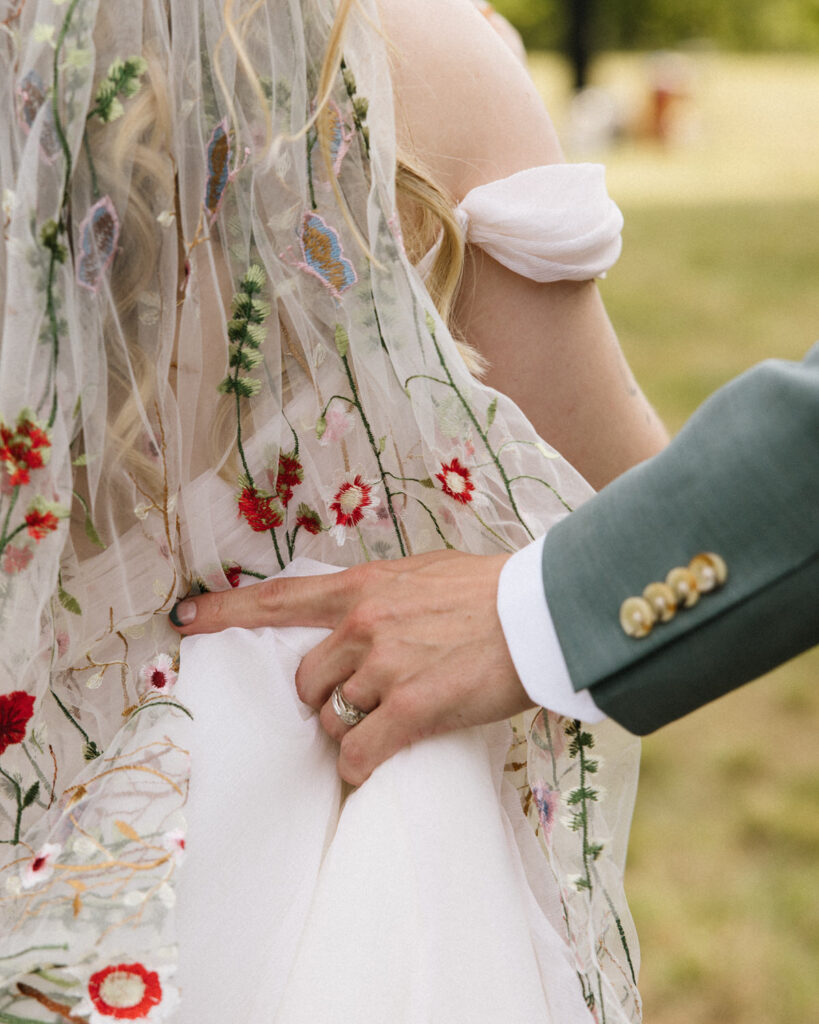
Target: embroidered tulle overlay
pixel 214 359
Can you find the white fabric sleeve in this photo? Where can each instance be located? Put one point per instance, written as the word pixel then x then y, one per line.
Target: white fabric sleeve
pixel 550 223
pixel 532 640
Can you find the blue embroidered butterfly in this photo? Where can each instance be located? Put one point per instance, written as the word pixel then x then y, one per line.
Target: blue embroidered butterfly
pixel 99 233
pixel 31 95
pixel 323 255
pixel 219 175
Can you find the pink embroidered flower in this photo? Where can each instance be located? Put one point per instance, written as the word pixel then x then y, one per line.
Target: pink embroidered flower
pixel 41 865
pixel 16 709
pixel 125 991
pixel 258 509
pixel 353 503
pixel 456 482
pixel 16 559
pixel 337 423
pixel 547 802
pixel 290 474
pixel 158 674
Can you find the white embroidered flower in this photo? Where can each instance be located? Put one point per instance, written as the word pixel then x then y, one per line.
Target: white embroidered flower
pixel 166 894
pixel 13 885
pixel 134 898
pixel 8 203
pixel 41 866
pixel 353 503
pixel 337 424
pixel 166 218
pixel 127 991
pixel 158 674
pixel 141 510
pixel 84 847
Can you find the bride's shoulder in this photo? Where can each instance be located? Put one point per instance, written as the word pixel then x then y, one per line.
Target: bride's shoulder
pixel 466 108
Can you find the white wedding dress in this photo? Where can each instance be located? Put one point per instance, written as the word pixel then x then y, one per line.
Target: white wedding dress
pixel 424 895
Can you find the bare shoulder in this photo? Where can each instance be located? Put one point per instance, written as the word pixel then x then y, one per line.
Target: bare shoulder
pixel 466 109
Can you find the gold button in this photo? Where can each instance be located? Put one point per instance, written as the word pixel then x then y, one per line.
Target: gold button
pixel 636 616
pixel 662 599
pixel 709 569
pixel 684 584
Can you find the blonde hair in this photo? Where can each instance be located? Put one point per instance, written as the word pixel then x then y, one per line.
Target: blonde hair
pixel 139 143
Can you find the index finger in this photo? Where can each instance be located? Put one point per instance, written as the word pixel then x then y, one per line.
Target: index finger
pixel 294 601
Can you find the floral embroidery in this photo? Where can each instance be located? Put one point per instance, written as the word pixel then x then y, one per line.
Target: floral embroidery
pixel 289 475
pixel 334 425
pixel 308 520
pixel 258 509
pixel 43 517
pixel 99 234
pixel 158 674
pixel 15 559
pixel 547 802
pixel 354 502
pixel 232 574
pixel 323 255
pixel 16 710
pixel 125 991
pixel 455 481
pixel 23 448
pixel 174 842
pixel 41 865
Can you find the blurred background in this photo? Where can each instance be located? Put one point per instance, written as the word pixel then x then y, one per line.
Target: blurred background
pixel 706 113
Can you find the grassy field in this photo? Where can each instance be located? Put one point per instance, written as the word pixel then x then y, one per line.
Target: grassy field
pixel 720 269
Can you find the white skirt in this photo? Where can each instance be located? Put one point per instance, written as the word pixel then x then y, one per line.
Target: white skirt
pixel 420 897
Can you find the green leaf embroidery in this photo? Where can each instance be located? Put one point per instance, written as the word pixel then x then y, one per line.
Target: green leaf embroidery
pixel 342 341
pixel 31 795
pixel 490 413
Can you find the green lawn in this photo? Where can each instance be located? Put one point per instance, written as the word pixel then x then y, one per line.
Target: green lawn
pixel 721 269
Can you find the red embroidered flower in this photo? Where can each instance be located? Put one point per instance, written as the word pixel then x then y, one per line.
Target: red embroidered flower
pixel 308 520
pixel 40 522
pixel 258 509
pixel 15 711
pixel 352 501
pixel 23 448
pixel 456 482
pixel 125 991
pixel 232 573
pixel 289 475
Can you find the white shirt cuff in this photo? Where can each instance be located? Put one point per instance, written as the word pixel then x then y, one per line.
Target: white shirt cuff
pixel 532 640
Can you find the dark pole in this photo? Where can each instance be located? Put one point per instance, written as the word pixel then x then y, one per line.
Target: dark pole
pixel 580 39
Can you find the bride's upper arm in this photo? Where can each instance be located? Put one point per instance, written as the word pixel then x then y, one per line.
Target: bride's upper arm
pixel 468 112
pixel 466 108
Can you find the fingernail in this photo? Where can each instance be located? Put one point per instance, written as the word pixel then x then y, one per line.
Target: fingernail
pixel 183 613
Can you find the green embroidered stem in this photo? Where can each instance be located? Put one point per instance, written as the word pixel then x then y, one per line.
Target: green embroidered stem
pixel 155 703
pixel 89 742
pixel 622 933
pixel 548 486
pixel 359 105
pixel 489 529
pixel 6 537
pixel 425 376
pixel 18 794
pixel 32 949
pixel 429 512
pixel 375 449
pixel 312 139
pixel 581 797
pixel 477 426
pixel 10 1018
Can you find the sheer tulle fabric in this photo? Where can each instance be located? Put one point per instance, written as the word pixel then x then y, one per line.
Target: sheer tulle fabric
pixel 211 365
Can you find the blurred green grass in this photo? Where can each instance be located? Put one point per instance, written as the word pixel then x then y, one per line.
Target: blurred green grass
pixel 720 269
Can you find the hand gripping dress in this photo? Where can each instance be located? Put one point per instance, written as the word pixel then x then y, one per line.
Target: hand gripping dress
pixel 218 364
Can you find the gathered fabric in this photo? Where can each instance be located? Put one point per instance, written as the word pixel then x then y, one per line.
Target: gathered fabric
pixel 216 358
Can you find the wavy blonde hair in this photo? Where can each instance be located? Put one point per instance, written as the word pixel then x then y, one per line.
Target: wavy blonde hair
pixel 139 143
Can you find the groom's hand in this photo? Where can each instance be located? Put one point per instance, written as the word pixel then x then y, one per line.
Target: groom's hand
pixel 416 642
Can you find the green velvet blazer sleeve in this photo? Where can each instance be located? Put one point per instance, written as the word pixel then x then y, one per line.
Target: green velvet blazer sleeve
pixel 740 480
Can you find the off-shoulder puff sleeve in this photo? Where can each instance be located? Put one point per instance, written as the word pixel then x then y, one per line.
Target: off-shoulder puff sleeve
pixel 550 223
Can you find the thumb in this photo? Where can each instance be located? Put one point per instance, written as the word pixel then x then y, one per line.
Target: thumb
pixel 297 601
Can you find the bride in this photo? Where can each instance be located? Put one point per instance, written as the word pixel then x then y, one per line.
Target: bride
pixel 277 279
